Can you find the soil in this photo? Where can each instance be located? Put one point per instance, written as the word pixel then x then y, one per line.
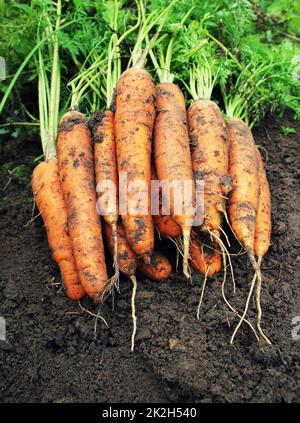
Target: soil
pixel 53 353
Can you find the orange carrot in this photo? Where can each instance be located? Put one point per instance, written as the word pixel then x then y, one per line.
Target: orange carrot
pixel 244 202
pixel 206 260
pixel 49 199
pixel 263 218
pixel 165 224
pixel 159 269
pixel 172 153
pixel 243 169
pixel 134 120
pixel 76 170
pixel 209 147
pixel 262 233
pixel 102 125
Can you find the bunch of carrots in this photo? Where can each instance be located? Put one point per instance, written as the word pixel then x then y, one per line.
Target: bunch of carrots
pixel 148 133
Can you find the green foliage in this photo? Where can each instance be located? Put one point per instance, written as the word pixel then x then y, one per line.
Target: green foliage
pixel 17 38
pixel 197 61
pixel 268 82
pixel 287 130
pixel 284 14
pixel 18 31
pixel 247 48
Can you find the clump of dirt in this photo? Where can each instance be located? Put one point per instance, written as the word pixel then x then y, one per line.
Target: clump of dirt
pixel 54 352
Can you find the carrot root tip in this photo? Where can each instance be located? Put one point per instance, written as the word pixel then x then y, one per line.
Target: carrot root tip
pixel 242 319
pixel 202 292
pixel 133 312
pixel 186 249
pixel 116 256
pixel 258 304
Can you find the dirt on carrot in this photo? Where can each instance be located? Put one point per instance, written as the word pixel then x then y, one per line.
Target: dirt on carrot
pixel 263 217
pixel 209 147
pixel 165 224
pixel 205 257
pixel 105 160
pixel 76 170
pixel 243 169
pixel 172 154
pixel 134 120
pixel 159 269
pixel 49 199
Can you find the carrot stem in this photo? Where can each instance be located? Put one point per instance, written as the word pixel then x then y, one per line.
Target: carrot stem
pixel 55 80
pixel 49 96
pixel 158 16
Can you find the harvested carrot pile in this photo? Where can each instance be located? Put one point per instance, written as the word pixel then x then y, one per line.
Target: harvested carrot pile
pixel 154 155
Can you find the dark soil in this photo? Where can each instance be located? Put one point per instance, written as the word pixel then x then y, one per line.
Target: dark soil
pixel 52 355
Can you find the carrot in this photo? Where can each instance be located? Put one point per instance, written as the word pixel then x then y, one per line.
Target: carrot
pixel 76 170
pixel 49 199
pixel 165 224
pixel 172 153
pixel 243 169
pixel 134 120
pixel 159 269
pixel 262 232
pixel 103 129
pixel 207 260
pixel 46 185
pixel 209 147
pixel 102 125
pixel 244 198
pixel 263 218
